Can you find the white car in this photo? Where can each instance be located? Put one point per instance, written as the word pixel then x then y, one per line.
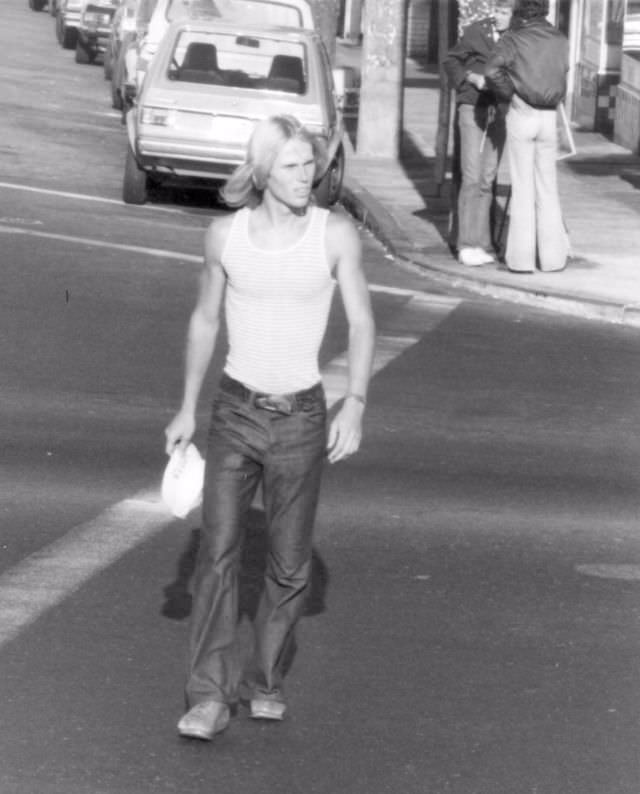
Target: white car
pixel 266 13
pixel 208 85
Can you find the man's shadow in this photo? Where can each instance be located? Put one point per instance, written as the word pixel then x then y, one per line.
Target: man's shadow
pixel 178 596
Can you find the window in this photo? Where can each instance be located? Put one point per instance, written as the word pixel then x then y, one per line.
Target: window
pixel 258 63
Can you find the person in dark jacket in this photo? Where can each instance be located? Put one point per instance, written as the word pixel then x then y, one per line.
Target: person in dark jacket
pixel 529 67
pixel 480 122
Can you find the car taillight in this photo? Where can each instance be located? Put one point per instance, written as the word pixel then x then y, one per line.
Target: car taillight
pixel 161 116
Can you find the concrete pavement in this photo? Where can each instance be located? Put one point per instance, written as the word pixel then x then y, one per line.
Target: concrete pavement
pixel 599 186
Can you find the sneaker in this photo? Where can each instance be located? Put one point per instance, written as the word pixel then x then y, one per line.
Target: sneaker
pixel 204 720
pixel 264 709
pixel 489 259
pixel 473 257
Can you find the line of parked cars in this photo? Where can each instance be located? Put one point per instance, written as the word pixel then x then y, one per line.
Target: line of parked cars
pixel 192 78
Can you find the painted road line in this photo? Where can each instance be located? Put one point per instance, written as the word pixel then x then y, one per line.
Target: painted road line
pixel 334 375
pixel 87 197
pixel 626 572
pixel 160 253
pixel 49 576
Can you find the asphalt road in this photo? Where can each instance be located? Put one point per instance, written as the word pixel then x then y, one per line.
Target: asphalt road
pixel 473 625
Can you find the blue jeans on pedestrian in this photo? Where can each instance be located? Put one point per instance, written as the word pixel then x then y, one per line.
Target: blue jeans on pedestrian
pixel 482 137
pixel 249 444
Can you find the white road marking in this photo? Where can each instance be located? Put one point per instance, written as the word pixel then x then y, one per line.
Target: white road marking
pixel 624 571
pixel 161 253
pixel 46 577
pixel 87 197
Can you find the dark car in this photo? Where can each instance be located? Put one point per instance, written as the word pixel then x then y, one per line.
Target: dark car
pixel 94 28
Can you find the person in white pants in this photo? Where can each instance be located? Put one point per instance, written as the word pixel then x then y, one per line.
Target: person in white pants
pixel 536 229
pixel 529 66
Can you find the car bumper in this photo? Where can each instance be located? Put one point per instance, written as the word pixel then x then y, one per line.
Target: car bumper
pixel 95 38
pixel 188 158
pixel 71 19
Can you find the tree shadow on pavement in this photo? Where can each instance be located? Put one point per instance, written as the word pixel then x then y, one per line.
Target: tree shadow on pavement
pixel 178 597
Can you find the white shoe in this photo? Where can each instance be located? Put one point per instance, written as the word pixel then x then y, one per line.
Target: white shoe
pixel 489 259
pixel 204 720
pixel 473 257
pixel 264 709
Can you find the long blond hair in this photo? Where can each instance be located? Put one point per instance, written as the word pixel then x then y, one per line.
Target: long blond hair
pixel 247 183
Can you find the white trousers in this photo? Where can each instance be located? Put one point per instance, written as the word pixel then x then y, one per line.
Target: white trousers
pixel 537 234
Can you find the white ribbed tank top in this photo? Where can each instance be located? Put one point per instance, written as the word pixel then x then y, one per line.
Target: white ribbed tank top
pixel 277 305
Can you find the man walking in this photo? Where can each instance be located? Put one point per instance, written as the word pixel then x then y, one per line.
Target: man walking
pixel 274 262
pixel 480 120
pixel 529 67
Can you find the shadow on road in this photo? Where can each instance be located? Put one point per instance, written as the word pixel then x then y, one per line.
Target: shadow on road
pixel 178 598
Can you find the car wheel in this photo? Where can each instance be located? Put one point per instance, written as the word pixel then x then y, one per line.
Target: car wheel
pixel 37 5
pixel 83 54
pixel 67 37
pixel 327 191
pixel 134 188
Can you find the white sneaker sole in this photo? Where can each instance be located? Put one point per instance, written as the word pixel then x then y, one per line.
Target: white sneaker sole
pixel 267 710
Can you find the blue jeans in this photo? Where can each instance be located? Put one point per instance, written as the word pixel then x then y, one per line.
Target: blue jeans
pixel 479 158
pixel 286 451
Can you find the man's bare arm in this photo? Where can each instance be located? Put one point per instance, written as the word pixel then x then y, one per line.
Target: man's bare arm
pixel 345 249
pixel 202 334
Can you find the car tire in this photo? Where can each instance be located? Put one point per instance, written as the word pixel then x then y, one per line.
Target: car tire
pixel 37 5
pixel 134 188
pixel 328 189
pixel 67 37
pixel 83 54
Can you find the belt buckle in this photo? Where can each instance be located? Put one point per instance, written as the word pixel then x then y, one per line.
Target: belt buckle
pixel 279 403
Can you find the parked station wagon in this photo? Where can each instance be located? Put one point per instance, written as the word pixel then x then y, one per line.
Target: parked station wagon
pixel 209 84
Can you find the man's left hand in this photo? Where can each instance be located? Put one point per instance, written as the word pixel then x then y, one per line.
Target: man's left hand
pixel 345 431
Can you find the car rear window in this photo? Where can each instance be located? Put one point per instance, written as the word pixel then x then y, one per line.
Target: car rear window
pixel 259 63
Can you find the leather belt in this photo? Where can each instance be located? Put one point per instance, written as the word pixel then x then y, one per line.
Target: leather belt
pixel 278 403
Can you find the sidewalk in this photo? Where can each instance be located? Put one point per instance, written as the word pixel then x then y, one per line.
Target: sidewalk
pixel 600 193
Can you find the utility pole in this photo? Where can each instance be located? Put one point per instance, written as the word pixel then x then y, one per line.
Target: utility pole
pixel 326 13
pixel 383 68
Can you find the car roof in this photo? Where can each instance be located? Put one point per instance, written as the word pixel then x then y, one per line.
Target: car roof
pixel 208 24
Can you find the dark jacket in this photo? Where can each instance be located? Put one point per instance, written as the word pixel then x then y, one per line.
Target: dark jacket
pixel 470 54
pixel 531 61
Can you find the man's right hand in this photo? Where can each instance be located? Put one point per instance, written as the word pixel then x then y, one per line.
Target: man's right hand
pixel 179 431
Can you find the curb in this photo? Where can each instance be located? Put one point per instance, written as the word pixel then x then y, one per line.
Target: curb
pixel 435 262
